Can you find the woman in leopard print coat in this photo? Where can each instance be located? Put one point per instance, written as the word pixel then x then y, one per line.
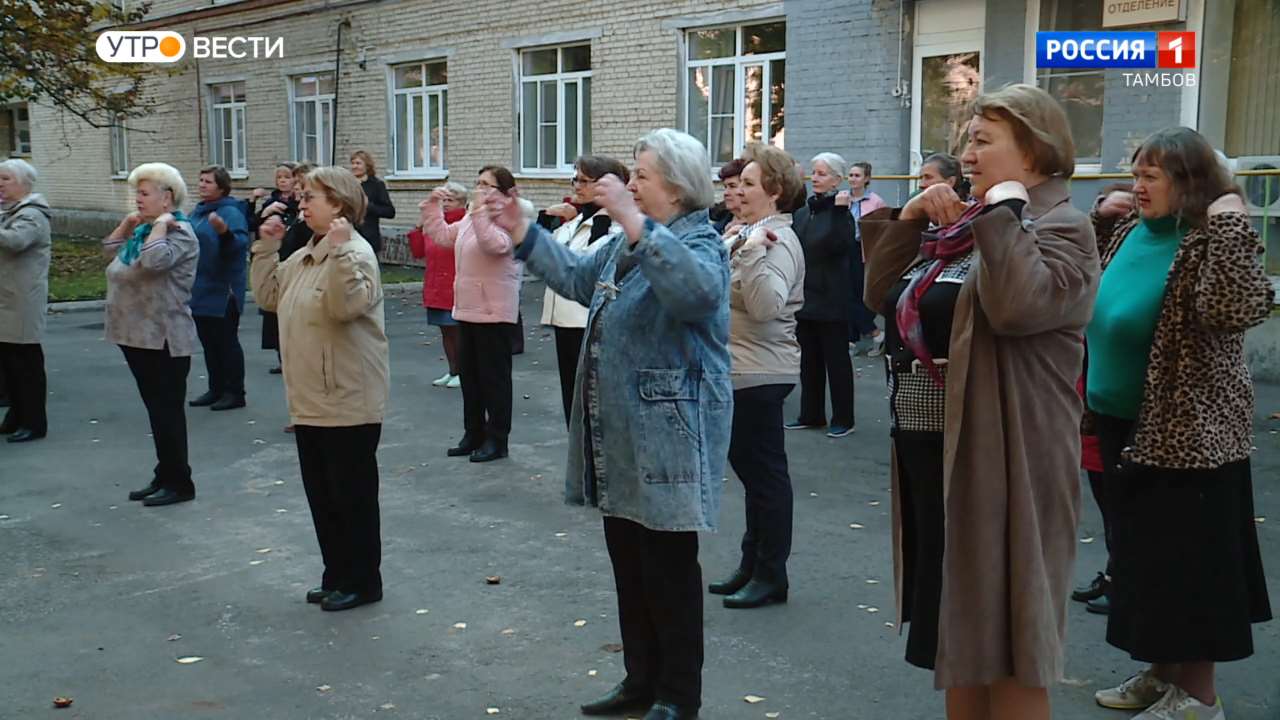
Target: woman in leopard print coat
pixel 1172 401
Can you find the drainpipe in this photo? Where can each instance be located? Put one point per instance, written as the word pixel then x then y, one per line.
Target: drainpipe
pixel 337 86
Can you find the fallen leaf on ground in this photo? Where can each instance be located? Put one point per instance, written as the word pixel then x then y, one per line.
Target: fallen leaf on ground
pixel 189 660
pixel 256 562
pixel 1086 540
pixel 753 699
pixel 873 609
pixel 874 503
pixel 873 582
pixel 62 702
pixel 856 526
pixel 771 715
pixel 508 632
pixel 888 624
pixel 612 647
pixel 263 551
pixel 421 611
pixel 323 688
pixel 175 637
pixel 387 706
pixel 579 623
pixel 282 510
pixel 562 534
pixel 460 626
pixel 1260 519
pixel 492 711
pixel 55 506
pixel 592 673
pixel 493 579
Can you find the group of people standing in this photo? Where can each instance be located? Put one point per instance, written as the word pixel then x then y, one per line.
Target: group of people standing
pixel 679 341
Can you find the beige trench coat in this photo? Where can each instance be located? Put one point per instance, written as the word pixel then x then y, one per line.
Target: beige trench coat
pixel 1011 458
pixel 25 251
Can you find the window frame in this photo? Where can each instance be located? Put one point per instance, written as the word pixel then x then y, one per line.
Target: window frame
pixel 426 92
pixel 16 128
pixel 740 62
pixel 119 133
pixel 239 132
pixel 324 141
pixel 563 166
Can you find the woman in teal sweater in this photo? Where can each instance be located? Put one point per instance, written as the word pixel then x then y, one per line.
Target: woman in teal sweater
pixel 1172 403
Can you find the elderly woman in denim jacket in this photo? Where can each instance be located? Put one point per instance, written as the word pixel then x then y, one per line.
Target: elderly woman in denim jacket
pixel 652 410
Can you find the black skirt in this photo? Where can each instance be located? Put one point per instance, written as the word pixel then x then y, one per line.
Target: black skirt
pixel 923 540
pixel 1187 580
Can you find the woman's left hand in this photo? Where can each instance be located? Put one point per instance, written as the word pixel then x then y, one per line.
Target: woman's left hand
pixel 762 236
pixel 1229 203
pixel 218 224
pixel 612 195
pixel 506 213
pixel 339 231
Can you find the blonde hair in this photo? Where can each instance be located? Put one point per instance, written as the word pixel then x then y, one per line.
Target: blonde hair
pixel 342 189
pixel 164 176
pixel 1040 126
pixel 370 168
pixel 778 174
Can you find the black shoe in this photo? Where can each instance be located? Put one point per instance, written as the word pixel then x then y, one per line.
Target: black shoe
pixel 1094 590
pixel 9 428
pixel 230 401
pixel 168 496
pixel 757 593
pixel 25 435
pixel 342 600
pixel 1100 605
pixel 205 400
pixel 467 445
pixel 4 401
pixel 490 450
pixel 733 584
pixel 618 700
pixel 277 370
pixel 802 425
pixel 317 595
pixel 145 492
pixel 667 711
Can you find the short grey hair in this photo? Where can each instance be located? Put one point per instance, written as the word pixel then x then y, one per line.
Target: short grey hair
pixel 684 163
pixel 163 176
pixel 836 164
pixel 456 190
pixel 21 170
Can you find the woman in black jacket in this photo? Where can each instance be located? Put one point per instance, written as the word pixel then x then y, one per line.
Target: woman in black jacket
pixel 282 201
pixel 362 166
pixel 825 228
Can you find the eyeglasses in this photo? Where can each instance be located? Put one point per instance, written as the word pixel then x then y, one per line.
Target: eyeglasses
pixel 484 184
pixel 579 180
pixel 308 197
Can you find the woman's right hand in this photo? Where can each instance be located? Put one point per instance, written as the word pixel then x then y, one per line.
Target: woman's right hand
pixel 1117 203
pixel 129 223
pixel 564 211
pixel 272 230
pixel 938 203
pixel 274 208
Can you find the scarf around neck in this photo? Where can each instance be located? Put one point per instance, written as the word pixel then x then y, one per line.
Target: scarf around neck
pixel 132 247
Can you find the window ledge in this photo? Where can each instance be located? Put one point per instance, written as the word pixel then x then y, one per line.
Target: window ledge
pixel 120 176
pixel 425 175
pixel 543 175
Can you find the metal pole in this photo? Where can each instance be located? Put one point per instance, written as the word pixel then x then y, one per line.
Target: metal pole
pixel 337 86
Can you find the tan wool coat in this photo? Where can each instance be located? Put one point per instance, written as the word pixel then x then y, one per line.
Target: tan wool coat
pixel 25 252
pixel 333 342
pixel 1011 458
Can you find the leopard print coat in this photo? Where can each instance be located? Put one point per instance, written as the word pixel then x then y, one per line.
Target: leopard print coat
pixel 1197 408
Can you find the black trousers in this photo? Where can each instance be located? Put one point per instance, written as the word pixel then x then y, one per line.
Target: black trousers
pixel 824 358
pixel 26 386
pixel 758 454
pixel 223 356
pixel 862 321
pixel 659 586
pixel 1098 487
pixel 484 357
pixel 340 474
pixel 568 345
pixel 162 382
pixel 923 540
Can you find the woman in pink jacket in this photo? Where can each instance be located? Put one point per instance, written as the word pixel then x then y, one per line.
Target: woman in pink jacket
pixel 486 301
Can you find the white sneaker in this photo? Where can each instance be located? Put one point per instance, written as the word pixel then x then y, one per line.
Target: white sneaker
pixel 442 380
pixel 877 345
pixel 1137 693
pixel 455 381
pixel 1178 705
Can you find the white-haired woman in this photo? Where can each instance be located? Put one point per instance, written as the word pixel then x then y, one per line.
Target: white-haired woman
pixel 148 315
pixel 437 280
pixel 650 428
pixel 25 248
pixel 825 228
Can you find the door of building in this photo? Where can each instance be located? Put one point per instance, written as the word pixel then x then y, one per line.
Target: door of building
pixel 946 74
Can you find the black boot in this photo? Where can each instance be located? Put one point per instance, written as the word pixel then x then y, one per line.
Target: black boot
pixel 1094 590
pixel 757 593
pixel 618 700
pixel 469 443
pixel 145 492
pixel 230 401
pixel 667 711
pixel 205 400
pixel 492 449
pixel 732 584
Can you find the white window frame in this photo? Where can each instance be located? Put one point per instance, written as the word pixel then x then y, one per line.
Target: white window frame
pixel 739 63
pixel 324 134
pixel 16 128
pixel 563 165
pixel 238 164
pixel 426 92
pixel 119 138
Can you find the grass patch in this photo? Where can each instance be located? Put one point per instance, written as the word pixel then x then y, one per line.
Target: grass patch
pixel 392 274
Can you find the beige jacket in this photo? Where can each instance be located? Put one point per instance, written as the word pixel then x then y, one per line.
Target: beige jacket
pixel 1011 459
pixel 25 250
pixel 558 311
pixel 148 301
pixel 333 343
pixel 766 288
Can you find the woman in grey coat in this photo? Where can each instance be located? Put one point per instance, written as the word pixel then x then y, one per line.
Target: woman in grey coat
pixel 25 248
pixel 652 405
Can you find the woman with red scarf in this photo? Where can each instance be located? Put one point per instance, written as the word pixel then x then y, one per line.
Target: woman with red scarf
pixel 985 311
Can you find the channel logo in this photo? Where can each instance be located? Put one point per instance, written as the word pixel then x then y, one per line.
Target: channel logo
pixel 141 46
pixel 1166 50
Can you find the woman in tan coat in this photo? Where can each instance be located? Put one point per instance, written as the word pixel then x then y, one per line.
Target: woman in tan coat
pixel 985 312
pixel 333 346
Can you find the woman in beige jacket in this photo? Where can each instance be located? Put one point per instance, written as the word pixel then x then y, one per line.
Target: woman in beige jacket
pixel 766 288
pixel 985 313
pixel 333 348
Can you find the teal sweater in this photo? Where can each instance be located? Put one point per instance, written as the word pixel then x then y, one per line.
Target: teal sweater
pixel 1125 316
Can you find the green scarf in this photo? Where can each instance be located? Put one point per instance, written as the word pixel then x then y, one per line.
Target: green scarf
pixel 132 247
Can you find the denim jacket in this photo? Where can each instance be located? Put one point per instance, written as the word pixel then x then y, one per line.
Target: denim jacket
pixel 654 367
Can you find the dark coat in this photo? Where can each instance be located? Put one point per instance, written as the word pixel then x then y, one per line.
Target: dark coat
pixel 222 271
pixel 826 235
pixel 379 207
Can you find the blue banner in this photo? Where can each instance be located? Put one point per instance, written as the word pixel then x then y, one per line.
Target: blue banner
pixel 1095 49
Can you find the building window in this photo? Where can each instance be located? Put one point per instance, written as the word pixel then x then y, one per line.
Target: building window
pixel 736 87
pixel 312 111
pixel 226 127
pixel 1253 96
pixel 19 130
pixel 119 148
pixel 555 107
pixel 420 106
pixel 1081 92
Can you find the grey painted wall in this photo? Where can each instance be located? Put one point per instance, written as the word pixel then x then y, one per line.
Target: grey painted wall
pixel 1004 43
